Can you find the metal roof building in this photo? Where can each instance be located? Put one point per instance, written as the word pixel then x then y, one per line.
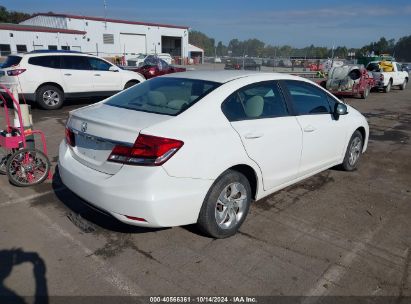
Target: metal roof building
pixel 101 36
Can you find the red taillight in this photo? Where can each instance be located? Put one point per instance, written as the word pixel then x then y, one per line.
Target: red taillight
pixel 152 71
pixel 15 72
pixel 139 219
pixel 146 151
pixel 70 138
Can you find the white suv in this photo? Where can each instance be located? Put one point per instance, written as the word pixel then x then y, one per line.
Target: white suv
pixel 51 77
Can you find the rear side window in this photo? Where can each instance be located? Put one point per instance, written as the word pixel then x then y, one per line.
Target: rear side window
pixel 75 63
pixel 98 64
pixel 46 61
pixel 11 61
pixel 163 95
pixel 262 100
pixel 307 99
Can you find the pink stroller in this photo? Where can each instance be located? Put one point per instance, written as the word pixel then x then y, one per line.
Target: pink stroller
pixel 24 166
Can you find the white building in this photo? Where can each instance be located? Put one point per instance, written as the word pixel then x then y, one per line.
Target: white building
pixel 101 36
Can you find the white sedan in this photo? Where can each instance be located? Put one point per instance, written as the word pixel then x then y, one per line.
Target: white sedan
pixel 199 147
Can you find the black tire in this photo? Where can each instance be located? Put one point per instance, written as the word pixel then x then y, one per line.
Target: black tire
pixel 38 160
pixel 387 88
pixel 50 97
pixel 404 84
pixel 130 84
pixel 350 164
pixel 366 92
pixel 225 185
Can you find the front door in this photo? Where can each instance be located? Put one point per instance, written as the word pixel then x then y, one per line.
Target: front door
pixel 323 135
pixel 104 80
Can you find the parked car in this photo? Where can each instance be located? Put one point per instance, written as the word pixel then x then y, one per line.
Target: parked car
pixel 154 66
pixel 200 146
pixel 350 80
pixel 139 60
pixel 49 78
pixel 242 64
pixel 406 67
pixel 388 74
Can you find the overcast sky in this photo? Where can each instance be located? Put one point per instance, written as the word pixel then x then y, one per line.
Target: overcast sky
pixel 298 23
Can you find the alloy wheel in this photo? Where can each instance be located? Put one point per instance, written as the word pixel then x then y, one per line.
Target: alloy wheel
pixel 231 205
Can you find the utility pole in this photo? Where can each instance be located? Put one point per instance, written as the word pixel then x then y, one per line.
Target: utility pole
pixel 105 14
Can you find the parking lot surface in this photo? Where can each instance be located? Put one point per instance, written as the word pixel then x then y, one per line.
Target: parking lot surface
pixel 336 233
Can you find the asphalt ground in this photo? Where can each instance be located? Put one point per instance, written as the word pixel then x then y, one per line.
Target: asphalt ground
pixel 334 234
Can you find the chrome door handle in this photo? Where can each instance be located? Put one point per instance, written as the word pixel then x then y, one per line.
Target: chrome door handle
pixel 253 135
pixel 67 74
pixel 309 129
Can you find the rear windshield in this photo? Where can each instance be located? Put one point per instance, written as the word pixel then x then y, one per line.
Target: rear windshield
pixel 11 61
pixel 169 96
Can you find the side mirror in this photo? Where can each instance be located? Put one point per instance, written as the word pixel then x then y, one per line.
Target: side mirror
pixel 340 109
pixel 113 69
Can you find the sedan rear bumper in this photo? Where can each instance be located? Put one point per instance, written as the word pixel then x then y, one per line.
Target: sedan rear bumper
pixel 147 193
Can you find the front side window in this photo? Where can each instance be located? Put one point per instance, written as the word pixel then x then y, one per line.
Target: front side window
pixel 307 99
pixel 98 64
pixel 75 63
pixel 262 100
pixel 169 96
pixel 46 61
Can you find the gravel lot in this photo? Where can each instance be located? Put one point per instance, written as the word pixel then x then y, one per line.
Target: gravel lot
pixel 336 233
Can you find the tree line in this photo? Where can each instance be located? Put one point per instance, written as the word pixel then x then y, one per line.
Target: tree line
pixel 257 48
pixel 12 16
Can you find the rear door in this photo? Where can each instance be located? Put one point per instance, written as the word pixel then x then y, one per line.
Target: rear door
pixel 270 135
pixel 77 74
pixel 104 80
pixel 323 136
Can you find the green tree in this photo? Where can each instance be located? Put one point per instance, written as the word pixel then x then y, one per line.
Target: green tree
pixel 221 49
pixel 12 16
pixel 403 49
pixel 203 41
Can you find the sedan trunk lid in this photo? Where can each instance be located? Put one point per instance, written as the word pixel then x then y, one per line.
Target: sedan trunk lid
pixel 98 128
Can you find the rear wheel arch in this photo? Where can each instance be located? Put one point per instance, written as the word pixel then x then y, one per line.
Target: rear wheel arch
pixel 50 84
pixel 250 174
pixel 363 133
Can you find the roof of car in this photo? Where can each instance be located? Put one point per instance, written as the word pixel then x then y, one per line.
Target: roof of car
pixel 226 76
pixel 55 52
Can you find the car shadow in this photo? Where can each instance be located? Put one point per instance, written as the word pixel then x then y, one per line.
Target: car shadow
pixel 87 217
pixel 14 257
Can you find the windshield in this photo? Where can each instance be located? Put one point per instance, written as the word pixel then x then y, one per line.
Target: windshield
pixel 141 56
pixel 11 61
pixel 168 96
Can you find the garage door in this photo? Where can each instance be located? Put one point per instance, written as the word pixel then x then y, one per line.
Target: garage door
pixel 132 44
